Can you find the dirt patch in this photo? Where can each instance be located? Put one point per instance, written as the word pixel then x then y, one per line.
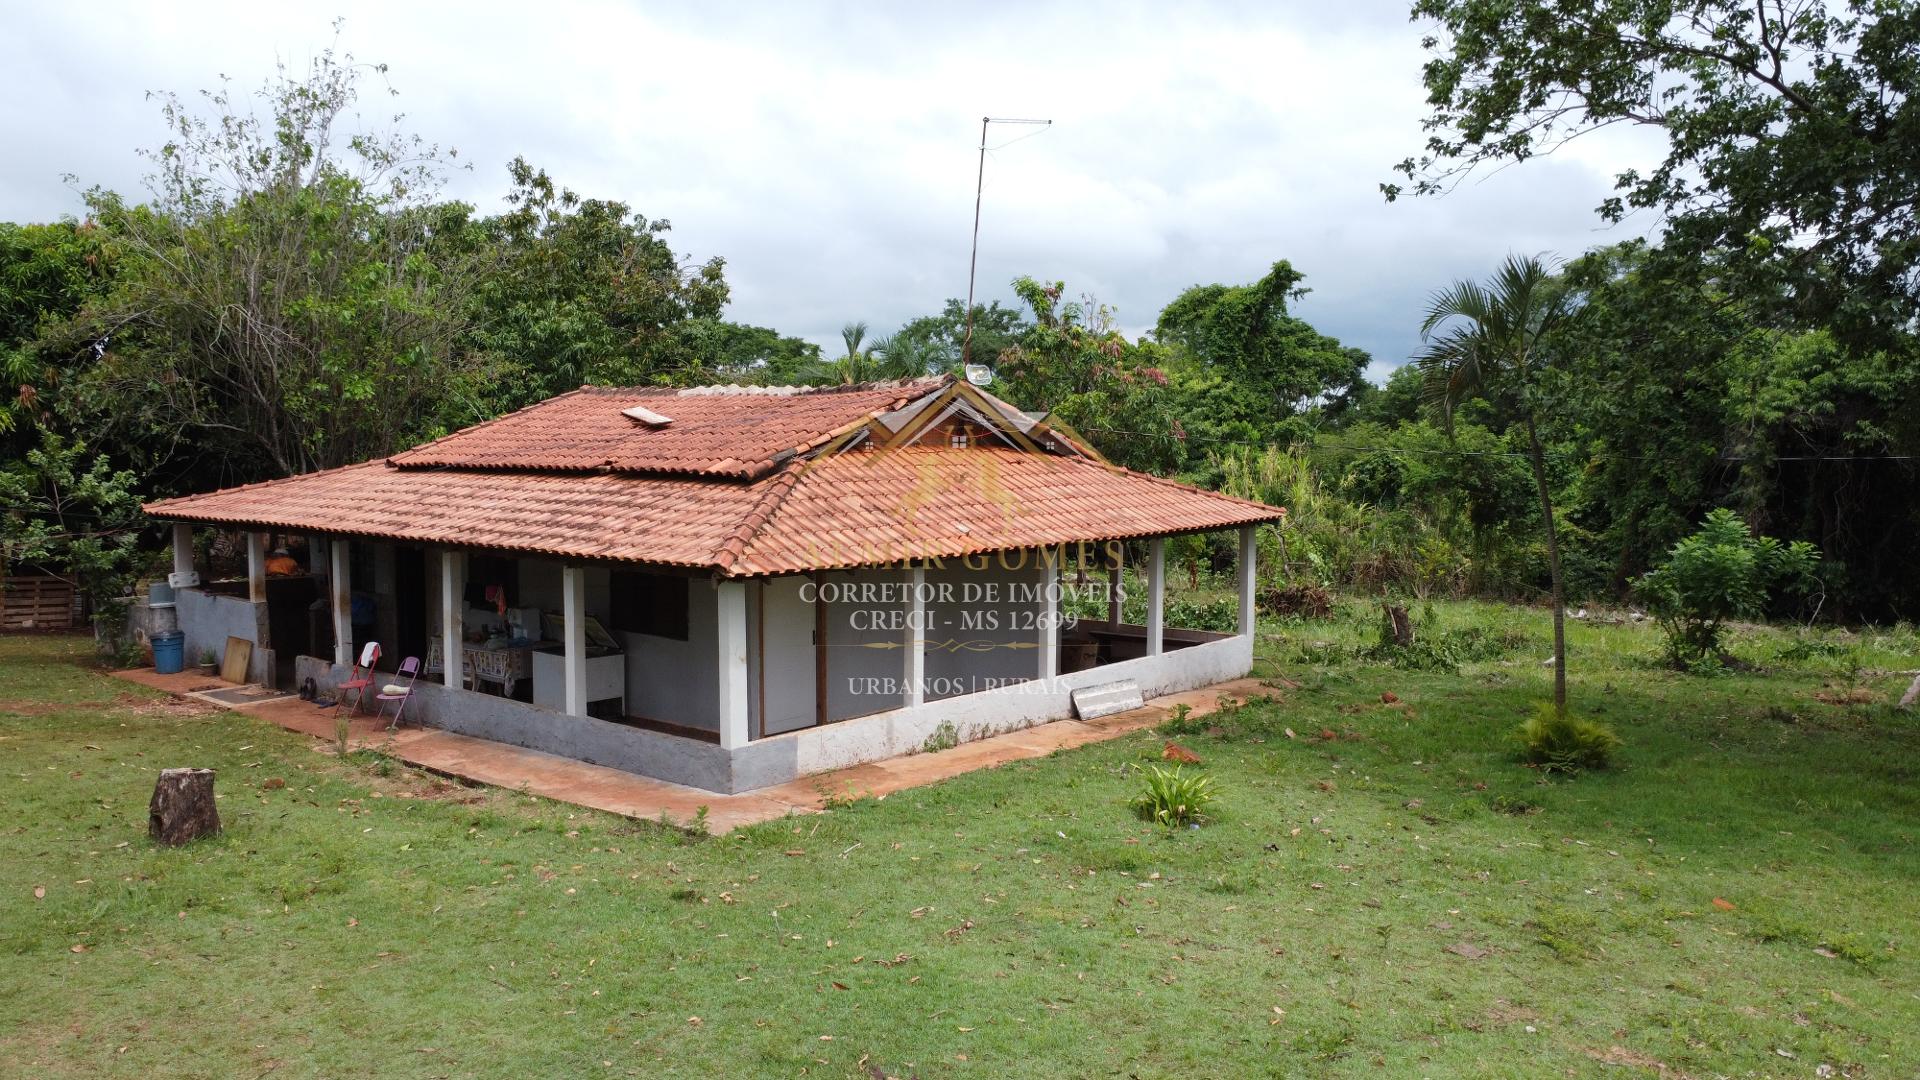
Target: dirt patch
pixel 1506 1012
pixel 168 706
pixel 1620 1055
pixel 440 790
pixel 11 707
pixel 1852 695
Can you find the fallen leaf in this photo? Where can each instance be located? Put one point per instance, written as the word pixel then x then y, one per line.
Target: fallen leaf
pixel 1466 949
pixel 1826 952
pixel 1178 754
pixel 39 892
pixel 79 947
pixel 1388 697
pixel 1290 733
pixel 796 851
pixel 1723 905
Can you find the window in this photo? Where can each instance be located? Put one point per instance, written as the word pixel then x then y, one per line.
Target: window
pixel 654 604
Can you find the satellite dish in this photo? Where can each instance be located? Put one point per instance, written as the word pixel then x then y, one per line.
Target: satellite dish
pixel 979 374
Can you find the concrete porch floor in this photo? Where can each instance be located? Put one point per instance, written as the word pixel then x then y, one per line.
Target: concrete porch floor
pixel 600 788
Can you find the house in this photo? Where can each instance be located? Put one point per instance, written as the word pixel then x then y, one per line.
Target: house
pixel 725 586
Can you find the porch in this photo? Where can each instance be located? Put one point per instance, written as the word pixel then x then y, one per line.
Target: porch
pixel 725 685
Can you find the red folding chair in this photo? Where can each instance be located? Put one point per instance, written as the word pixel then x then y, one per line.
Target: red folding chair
pixel 359 680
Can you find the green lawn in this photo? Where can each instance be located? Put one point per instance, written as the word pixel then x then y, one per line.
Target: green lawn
pixel 1401 899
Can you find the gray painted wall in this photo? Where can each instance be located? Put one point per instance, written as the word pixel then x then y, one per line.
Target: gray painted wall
pixel 208 619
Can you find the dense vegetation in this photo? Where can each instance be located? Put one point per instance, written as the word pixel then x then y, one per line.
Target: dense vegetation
pixel 289 296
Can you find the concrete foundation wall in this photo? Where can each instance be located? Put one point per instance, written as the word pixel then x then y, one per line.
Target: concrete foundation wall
pixel 672 758
pixel 780 758
pixel 209 619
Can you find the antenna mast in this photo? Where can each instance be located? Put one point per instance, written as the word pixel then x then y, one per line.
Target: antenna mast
pixel 973 261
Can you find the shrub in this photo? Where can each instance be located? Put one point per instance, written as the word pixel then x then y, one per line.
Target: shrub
pixel 1298 601
pixel 1566 743
pixel 1720 573
pixel 1174 797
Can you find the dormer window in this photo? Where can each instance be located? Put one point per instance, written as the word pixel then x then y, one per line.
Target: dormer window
pixel 959 438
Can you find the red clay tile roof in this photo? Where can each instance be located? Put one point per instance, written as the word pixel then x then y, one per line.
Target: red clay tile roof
pixel 662 519
pixel 873 508
pixel 728 486
pixel 851 509
pixel 714 431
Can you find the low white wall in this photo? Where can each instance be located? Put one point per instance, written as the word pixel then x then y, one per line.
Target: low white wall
pixel 991 712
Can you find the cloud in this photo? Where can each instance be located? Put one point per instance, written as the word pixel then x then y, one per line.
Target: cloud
pixel 829 153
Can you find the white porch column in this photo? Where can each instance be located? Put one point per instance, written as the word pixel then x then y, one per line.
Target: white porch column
pixel 731 653
pixel 182 548
pixel 573 588
pixel 257 566
pixel 1156 595
pixel 1049 616
pixel 1116 579
pixel 1247 611
pixel 915 669
pixel 453 612
pixel 342 591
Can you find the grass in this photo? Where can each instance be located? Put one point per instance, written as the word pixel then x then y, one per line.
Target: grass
pixel 1384 892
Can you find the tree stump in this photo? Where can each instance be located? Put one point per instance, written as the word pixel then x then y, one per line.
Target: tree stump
pixel 182 808
pixel 1399 627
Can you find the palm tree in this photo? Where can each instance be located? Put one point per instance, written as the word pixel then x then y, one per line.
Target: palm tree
pixel 1501 333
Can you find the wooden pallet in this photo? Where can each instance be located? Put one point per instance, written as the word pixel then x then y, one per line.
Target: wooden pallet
pixel 36 602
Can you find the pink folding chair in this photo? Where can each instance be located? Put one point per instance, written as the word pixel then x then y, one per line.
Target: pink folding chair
pixel 410 670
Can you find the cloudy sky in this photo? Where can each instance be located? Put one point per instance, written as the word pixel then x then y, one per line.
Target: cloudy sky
pixel 827 151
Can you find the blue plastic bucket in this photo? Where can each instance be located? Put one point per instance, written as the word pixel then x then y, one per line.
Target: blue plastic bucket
pixel 169 653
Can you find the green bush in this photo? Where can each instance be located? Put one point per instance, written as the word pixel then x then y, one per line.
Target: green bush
pixel 1720 573
pixel 1566 743
pixel 1174 797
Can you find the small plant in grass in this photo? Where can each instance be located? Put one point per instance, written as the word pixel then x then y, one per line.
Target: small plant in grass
pixel 342 725
pixel 1174 797
pixel 943 737
pixel 1720 573
pixel 1565 743
pixel 1181 721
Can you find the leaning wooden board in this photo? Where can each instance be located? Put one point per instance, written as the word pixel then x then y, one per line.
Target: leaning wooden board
pixel 233 667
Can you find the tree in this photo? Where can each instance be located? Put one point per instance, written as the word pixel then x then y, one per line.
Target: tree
pixel 293 292
pixel 68 512
pixel 47 273
pixel 1501 334
pixel 730 351
pixel 1793 138
pixel 576 290
pixel 1245 333
pixel 1074 362
pixel 882 359
pixel 939 337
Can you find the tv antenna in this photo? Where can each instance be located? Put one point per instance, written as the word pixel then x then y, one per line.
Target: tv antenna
pixel 973 261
